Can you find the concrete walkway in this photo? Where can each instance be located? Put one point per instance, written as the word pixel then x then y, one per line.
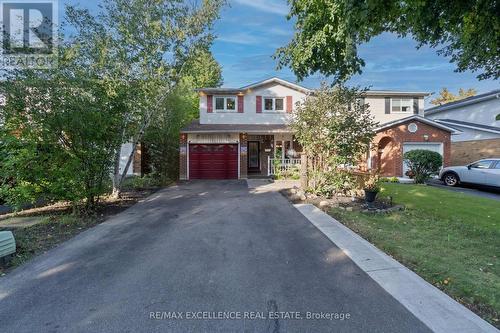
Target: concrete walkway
pixel 433 307
pixel 204 256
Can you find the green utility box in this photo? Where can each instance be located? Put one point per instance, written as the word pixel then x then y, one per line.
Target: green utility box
pixel 7 244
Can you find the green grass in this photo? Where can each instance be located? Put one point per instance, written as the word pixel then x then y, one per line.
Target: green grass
pixel 450 239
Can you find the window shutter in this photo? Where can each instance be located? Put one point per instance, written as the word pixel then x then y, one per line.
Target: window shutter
pixel 210 104
pixel 387 105
pixel 289 104
pixel 258 104
pixel 240 104
pixel 362 102
pixel 415 105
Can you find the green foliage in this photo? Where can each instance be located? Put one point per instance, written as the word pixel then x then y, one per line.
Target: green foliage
pixel 498 117
pixel 328 33
pixel 133 63
pixel 151 48
pixel 389 180
pixel 337 141
pixel 373 183
pixel 423 164
pixel 179 108
pixel 445 96
pixel 144 182
pixel 58 137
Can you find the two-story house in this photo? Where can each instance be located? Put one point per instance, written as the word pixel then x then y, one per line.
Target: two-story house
pixel 478 120
pixel 241 130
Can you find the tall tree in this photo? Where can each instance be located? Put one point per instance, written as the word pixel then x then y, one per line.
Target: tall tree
pixel 445 96
pixel 328 33
pixel 337 141
pixel 60 127
pixel 161 138
pixel 144 46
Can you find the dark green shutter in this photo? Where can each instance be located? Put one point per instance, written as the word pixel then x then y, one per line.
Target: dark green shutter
pixel 415 105
pixel 387 105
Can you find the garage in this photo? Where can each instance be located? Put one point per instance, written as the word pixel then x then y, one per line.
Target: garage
pixel 213 161
pixel 432 146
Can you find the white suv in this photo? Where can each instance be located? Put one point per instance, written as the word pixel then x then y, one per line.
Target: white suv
pixel 483 172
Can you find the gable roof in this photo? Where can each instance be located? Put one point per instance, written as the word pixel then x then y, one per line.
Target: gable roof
pixel 418 118
pixel 242 90
pixel 396 93
pixel 303 89
pixel 465 124
pixel 277 80
pixel 463 102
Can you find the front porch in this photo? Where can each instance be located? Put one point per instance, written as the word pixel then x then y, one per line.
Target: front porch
pixel 235 151
pixel 272 155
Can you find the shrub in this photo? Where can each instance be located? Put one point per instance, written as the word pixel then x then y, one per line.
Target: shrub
pixel 389 180
pixel 423 164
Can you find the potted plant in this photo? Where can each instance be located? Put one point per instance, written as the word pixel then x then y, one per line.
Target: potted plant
pixel 372 187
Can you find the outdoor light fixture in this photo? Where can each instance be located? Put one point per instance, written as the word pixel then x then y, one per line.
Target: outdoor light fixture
pixel 426 137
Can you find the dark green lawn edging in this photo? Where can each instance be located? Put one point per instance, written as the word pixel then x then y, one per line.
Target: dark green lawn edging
pixel 451 239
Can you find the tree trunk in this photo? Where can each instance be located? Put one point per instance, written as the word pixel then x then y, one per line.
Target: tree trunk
pixel 116 174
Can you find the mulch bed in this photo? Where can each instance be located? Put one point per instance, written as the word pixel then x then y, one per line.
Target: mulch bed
pixel 381 204
pixel 58 224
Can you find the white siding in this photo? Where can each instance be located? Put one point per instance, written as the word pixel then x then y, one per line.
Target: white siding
pixel 377 108
pixel 124 155
pixel 482 113
pixel 250 116
pixel 214 138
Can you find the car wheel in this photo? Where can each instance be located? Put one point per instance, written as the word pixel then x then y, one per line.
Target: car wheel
pixel 450 179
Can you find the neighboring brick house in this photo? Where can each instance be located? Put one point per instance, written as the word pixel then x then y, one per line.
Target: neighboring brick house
pixel 478 120
pixel 243 132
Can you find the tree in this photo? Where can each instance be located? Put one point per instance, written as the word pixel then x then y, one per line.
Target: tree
pixel 58 135
pixel 338 141
pixel 144 46
pixel 64 127
pixel 328 33
pixel 181 106
pixel 445 96
pixel 422 164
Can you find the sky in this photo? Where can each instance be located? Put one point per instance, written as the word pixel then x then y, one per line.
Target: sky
pixel 249 32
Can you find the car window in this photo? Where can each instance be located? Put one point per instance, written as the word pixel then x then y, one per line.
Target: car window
pixel 481 164
pixel 497 166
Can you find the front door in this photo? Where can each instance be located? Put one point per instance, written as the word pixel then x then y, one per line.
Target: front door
pixel 253 156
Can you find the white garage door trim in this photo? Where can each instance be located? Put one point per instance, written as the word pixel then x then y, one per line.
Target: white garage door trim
pixel 439 145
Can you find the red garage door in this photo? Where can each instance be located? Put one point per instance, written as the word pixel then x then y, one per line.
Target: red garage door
pixel 213 161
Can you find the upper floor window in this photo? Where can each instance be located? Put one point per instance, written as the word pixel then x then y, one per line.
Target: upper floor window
pixel 225 104
pixel 402 105
pixel 274 104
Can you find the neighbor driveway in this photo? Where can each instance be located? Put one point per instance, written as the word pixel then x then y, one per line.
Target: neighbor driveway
pixel 201 246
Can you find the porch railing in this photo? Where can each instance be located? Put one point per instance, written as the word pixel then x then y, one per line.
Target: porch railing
pixel 277 166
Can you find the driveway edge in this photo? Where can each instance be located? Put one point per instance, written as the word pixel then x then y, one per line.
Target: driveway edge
pixel 430 305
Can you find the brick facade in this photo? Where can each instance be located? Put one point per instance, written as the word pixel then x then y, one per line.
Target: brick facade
pixel 137 161
pixel 387 153
pixel 466 152
pixel 243 155
pixel 183 157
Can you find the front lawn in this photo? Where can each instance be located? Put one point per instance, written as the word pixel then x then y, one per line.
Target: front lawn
pixel 450 239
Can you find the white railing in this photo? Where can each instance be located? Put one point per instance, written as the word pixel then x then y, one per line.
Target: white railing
pixel 276 166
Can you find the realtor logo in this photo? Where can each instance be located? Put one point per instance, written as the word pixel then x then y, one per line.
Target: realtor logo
pixel 29 34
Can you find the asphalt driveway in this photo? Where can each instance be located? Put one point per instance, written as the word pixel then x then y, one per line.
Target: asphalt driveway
pixel 201 249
